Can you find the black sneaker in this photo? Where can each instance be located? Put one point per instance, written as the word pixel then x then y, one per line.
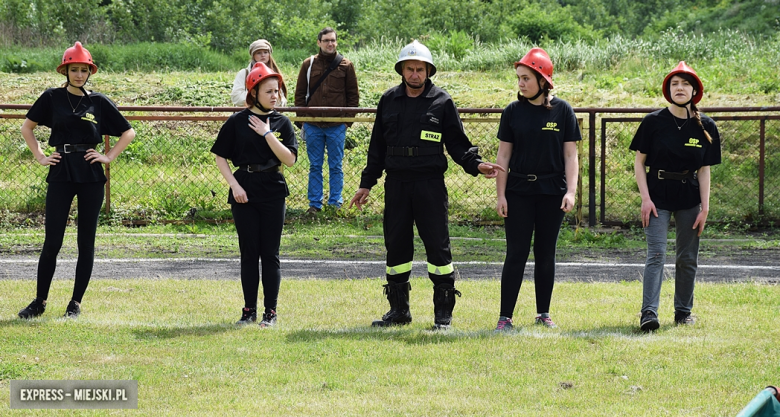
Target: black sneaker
pixel 35 309
pixel 649 321
pixel 684 319
pixel 73 310
pixel 269 319
pixel 248 315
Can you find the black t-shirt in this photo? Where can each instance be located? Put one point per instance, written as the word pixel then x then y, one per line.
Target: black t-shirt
pixel 675 150
pixel 241 145
pixel 95 115
pixel 537 136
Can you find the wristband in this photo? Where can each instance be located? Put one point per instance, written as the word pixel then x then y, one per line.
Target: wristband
pixel 266 133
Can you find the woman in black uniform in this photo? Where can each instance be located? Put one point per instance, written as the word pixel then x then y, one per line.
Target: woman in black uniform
pixel 78 119
pixel 679 144
pixel 258 140
pixel 538 136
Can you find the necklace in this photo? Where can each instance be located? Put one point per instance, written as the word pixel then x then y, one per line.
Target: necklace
pixel 77 104
pixel 675 122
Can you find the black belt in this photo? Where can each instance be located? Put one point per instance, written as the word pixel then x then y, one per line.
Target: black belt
pixel 81 147
pixel 258 168
pixel 414 150
pixel 534 177
pixel 679 176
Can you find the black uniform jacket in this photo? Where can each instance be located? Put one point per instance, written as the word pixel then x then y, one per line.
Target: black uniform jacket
pixel 429 121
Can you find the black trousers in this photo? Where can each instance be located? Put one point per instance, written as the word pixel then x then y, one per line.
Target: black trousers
pixel 539 216
pixel 424 203
pixel 259 228
pixel 59 197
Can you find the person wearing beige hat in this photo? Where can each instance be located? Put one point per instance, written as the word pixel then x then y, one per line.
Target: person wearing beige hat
pixel 259 51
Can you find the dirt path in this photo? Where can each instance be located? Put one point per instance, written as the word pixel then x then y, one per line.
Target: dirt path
pixel 721 265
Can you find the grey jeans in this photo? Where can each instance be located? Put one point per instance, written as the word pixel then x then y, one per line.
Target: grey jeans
pixel 687 244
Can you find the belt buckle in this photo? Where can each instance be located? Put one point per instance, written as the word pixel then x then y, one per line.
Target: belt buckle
pixel 411 151
pixel 66 148
pixel 531 177
pixel 249 168
pixel 660 171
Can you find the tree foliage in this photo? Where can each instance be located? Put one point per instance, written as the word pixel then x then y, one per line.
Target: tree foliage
pixel 228 25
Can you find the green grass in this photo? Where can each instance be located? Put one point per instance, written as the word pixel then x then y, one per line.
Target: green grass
pixel 331 236
pixel 323 359
pixel 303 238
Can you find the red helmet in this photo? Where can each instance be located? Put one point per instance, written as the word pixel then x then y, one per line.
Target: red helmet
pixel 683 68
pixel 259 73
pixel 538 60
pixel 76 54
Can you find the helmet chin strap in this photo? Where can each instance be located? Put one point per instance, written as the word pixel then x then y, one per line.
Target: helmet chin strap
pixel 257 101
pixel 539 93
pixel 685 105
pixel 80 88
pixel 262 109
pixel 682 105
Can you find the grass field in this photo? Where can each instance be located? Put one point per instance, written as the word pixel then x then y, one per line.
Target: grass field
pixel 176 338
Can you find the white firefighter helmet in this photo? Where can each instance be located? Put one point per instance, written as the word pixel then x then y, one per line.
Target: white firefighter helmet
pixel 415 51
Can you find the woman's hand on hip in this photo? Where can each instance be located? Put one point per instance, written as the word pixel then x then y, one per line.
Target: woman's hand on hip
pixel 50 160
pixel 93 156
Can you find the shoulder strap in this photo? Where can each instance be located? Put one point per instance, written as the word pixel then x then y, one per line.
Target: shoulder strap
pixel 333 65
pixel 308 77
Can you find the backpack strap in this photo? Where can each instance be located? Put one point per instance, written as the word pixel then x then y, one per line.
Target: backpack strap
pixel 333 65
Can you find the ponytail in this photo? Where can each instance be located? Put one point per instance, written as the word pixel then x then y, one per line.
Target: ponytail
pixel 697 116
pixel 546 103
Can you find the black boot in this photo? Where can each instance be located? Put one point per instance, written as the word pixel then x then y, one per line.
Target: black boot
pixel 398 296
pixel 443 304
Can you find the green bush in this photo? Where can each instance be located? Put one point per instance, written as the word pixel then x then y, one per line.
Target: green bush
pixel 148 56
pixel 20 65
pixel 457 43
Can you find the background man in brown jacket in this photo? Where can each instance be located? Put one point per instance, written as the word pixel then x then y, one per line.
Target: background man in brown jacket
pixel 326 80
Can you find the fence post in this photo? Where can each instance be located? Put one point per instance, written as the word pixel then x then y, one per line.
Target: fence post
pixel 107 148
pixel 761 162
pixel 592 168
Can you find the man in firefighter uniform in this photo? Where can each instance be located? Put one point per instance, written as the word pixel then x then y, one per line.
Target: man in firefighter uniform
pixel 415 121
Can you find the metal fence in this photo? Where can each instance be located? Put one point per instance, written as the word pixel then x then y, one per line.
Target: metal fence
pixel 168 172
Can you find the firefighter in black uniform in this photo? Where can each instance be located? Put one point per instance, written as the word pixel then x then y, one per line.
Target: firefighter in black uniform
pixel 415 121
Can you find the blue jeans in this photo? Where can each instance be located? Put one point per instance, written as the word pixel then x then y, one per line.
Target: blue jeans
pixel 686 264
pixel 317 140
